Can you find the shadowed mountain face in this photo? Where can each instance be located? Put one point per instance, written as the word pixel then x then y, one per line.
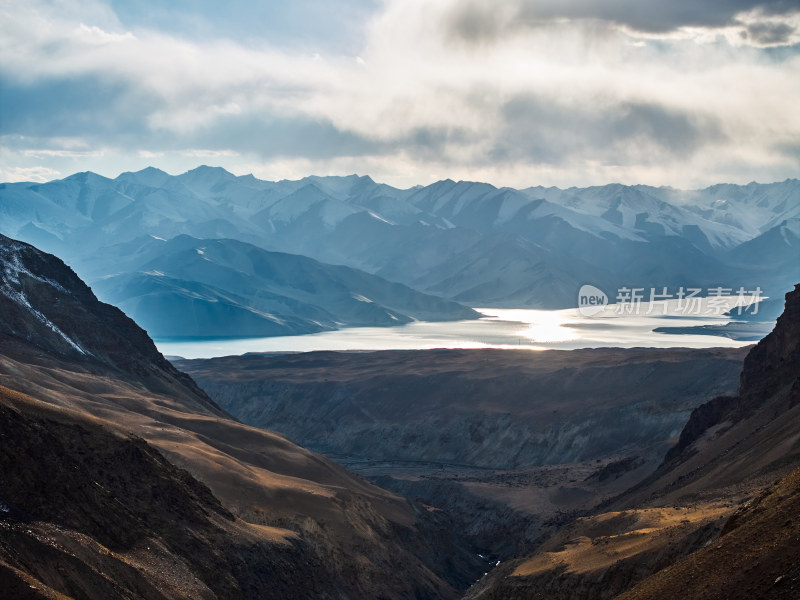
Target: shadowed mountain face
pixel 734 539
pixel 33 284
pixel 45 304
pixel 466 241
pixel 732 439
pixel 216 288
pixel 123 480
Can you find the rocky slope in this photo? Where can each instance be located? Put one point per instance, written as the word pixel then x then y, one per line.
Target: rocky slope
pixel 750 435
pixel 44 303
pixel 92 513
pixel 596 557
pixel 757 555
pixel 731 447
pixel 125 480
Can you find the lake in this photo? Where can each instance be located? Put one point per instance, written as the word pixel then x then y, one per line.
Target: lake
pixel 530 329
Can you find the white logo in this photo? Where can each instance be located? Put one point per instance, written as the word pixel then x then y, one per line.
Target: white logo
pixel 591 300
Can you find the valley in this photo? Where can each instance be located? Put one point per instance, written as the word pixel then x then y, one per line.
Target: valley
pixel 503 440
pixel 123 477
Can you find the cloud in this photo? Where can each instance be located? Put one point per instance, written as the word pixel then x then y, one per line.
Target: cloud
pixel 202 153
pixel 34 174
pixel 541 92
pixel 82 105
pixel 769 34
pixel 48 152
pixel 476 21
pixel 619 134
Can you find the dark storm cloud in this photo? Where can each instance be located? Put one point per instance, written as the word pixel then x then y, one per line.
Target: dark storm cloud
pixel 769 33
pixel 478 22
pixel 542 132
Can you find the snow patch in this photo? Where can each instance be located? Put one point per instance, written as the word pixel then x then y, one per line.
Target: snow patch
pixel 12 269
pixel 379 218
pixel 19 298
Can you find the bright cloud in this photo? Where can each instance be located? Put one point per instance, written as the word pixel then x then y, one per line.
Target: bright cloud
pixel 35 174
pixel 530 92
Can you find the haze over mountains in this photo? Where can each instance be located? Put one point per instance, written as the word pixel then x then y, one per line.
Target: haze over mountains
pixel 462 241
pixel 215 288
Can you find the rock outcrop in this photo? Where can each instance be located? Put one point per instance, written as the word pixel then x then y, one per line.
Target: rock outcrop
pixel 730 448
pixel 769 384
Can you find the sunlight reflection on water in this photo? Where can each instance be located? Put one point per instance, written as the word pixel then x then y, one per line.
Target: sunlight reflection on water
pixel 543 326
pixel 500 328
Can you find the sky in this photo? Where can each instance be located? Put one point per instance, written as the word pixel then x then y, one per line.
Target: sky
pixel 685 93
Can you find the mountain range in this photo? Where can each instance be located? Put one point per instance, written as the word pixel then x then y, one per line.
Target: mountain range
pixel 465 242
pixel 124 479
pixel 187 287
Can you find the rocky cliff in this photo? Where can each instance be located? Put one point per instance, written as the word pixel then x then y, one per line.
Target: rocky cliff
pixel 769 388
pixel 734 538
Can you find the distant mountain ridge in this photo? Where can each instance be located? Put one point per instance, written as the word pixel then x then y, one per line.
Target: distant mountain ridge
pixel 465 241
pixel 220 288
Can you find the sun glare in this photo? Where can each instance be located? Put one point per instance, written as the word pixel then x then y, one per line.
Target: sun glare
pixel 549 329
